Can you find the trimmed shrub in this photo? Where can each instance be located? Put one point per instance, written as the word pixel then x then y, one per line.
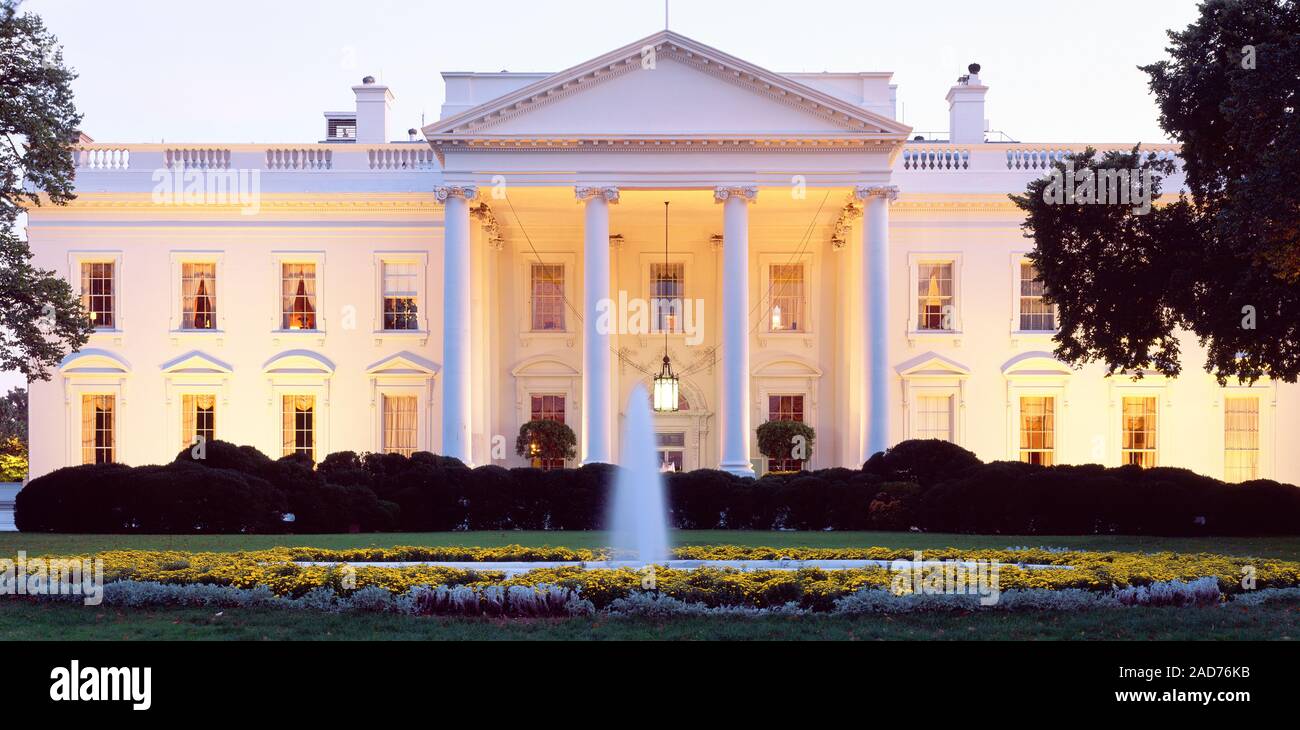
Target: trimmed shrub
pixel 777 439
pixel 176 498
pixel 924 461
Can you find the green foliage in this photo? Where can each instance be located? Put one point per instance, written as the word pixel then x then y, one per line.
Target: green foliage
pixel 1224 263
pixel 779 439
pixel 40 317
pixel 546 440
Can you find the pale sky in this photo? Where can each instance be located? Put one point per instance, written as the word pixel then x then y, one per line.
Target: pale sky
pixel 265 70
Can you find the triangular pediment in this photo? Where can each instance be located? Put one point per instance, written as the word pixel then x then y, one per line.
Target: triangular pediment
pixel 685 89
pixel 404 363
pixel 196 363
pixel 932 365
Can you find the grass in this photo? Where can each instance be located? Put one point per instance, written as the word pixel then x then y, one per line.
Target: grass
pixel 1285 548
pixel 22 619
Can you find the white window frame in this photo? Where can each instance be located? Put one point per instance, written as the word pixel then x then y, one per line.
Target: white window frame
pixel 765 263
pixel 115 257
pixel 278 259
pixel 421 260
pixel 1035 337
pixel 914 261
pixel 1266 391
pixel 689 288
pixel 934 375
pixel 523 287
pixel 178 259
pixel 403 374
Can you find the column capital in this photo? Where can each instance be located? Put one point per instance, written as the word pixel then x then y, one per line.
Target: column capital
pixel 888 192
pixel 748 193
pixel 443 192
pixel 585 192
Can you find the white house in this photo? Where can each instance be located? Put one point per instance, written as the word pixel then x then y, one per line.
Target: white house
pixel 436 292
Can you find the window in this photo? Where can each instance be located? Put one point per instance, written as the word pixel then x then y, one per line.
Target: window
pixel 97 429
pixel 400 424
pixel 298 296
pixel 198 419
pixel 1240 439
pixel 299 425
pixel 97 292
pixel 1035 314
pixel 547 295
pixel 1139 437
pixel 198 296
pixel 667 287
pixel 788 302
pixel 785 408
pixel 934 417
pixel 1038 430
pixel 934 296
pixel 672 451
pixel 545 407
pixel 401 295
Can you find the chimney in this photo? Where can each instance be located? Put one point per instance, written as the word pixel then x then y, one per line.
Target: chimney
pixel 373 104
pixel 966 108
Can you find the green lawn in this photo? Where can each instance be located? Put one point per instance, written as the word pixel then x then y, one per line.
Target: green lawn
pixel 1287 548
pixel 25 620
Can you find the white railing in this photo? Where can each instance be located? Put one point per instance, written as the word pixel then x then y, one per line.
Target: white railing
pixel 402 158
pixel 1014 157
pixel 299 158
pixel 197 158
pixel 394 157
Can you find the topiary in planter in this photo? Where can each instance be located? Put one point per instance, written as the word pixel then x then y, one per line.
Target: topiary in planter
pixel 778 440
pixel 546 440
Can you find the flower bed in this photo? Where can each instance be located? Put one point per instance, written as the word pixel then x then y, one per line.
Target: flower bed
pixel 277 571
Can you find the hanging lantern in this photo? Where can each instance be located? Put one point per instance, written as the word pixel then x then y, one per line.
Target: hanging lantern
pixel 776 317
pixel 665 390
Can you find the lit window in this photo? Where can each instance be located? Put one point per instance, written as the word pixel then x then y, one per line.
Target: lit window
pixel 934 417
pixel 399 424
pixel 667 287
pixel 787 298
pixel 298 296
pixel 198 420
pixel 547 295
pixel 934 296
pixel 672 451
pixel 1035 314
pixel 1139 442
pixel 1240 439
pixel 198 296
pixel 97 429
pixel 546 407
pixel 97 292
pixel 1038 430
pixel 785 408
pixel 401 296
pixel 298 419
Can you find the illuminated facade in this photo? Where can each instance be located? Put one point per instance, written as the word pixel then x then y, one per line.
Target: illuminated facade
pixel 499 265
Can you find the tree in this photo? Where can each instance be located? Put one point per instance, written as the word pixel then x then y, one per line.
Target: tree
pixel 785 440
pixel 546 440
pixel 1222 264
pixel 41 319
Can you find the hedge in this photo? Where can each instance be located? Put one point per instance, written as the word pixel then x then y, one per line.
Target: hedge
pixel 926 485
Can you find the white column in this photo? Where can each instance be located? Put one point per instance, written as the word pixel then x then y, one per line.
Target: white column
pixel 456 343
pixel 597 383
pixel 735 328
pixel 875 335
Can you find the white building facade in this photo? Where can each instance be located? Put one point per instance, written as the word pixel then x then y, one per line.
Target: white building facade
pixel 435 293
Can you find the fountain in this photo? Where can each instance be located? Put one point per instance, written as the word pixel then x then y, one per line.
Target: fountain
pixel 638 515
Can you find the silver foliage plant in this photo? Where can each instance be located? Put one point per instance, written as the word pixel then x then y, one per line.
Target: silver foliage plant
pixel 544 600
